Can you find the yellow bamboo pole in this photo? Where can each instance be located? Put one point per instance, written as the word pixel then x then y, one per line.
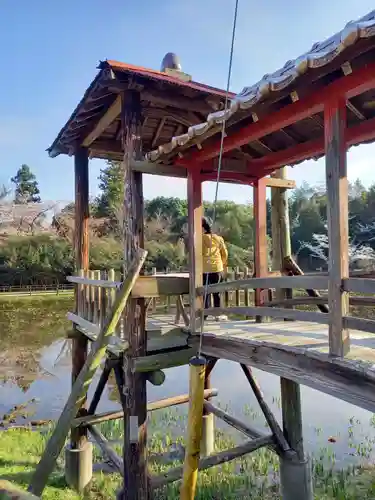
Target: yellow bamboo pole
pixel 194 434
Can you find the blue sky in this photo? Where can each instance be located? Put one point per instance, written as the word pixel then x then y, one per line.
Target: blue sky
pixel 50 50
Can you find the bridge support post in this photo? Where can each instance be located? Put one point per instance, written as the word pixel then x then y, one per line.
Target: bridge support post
pixel 78 451
pixel 296 472
pixel 136 483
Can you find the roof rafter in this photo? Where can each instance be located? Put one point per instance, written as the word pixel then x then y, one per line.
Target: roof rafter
pixel 104 122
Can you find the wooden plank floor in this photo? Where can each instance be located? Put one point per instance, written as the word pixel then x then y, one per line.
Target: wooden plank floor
pixel 297 351
pixel 310 336
pixel 162 333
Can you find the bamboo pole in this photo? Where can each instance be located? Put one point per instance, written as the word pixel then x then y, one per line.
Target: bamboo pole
pixel 190 470
pixel 82 383
pixel 153 406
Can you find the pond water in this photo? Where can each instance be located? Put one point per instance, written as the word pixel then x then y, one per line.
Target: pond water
pixel 35 368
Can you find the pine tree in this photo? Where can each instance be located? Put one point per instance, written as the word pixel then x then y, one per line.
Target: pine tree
pixel 112 190
pixel 27 190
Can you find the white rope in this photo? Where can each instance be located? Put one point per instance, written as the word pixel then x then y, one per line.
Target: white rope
pixel 227 101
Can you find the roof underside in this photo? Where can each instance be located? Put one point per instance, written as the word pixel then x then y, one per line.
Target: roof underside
pixel 345 53
pixel 170 106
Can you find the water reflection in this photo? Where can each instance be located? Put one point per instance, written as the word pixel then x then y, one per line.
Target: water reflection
pixel 325 418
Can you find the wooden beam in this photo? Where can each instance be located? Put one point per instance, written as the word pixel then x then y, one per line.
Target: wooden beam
pixel 359 285
pixel 351 85
pixel 217 459
pixel 195 214
pixel 150 168
pixel 153 406
pixel 305 281
pixel 105 121
pixel 163 360
pixel 106 449
pixel 355 111
pixel 363 132
pixel 320 300
pixel 175 101
pixel 291 265
pixel 338 224
pixel 272 312
pixel 349 380
pixel 279 182
pixel 234 422
pixel 158 132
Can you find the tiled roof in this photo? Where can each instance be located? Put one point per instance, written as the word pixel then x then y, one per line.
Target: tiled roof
pixel 320 54
pixel 159 75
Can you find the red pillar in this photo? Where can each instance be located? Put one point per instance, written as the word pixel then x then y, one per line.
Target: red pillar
pixel 261 250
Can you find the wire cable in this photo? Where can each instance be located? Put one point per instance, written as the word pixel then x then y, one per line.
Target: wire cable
pixel 226 106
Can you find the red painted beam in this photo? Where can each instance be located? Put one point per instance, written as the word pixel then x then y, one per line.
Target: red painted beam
pixel 363 132
pixel 356 83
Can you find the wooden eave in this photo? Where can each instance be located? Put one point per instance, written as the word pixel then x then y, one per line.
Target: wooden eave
pixel 169 108
pixel 286 126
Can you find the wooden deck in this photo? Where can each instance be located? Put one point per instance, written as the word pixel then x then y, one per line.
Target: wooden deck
pixel 294 350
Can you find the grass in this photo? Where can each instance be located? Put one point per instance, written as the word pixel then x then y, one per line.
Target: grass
pixel 252 477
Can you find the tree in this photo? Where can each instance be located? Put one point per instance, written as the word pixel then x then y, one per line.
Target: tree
pixel 111 185
pixel 27 190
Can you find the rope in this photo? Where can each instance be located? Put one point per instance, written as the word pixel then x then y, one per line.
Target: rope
pixel 227 101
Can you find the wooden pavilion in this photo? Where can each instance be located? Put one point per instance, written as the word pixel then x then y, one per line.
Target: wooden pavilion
pixel 318 104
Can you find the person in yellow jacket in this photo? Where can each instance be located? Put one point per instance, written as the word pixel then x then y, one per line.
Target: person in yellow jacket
pixel 215 258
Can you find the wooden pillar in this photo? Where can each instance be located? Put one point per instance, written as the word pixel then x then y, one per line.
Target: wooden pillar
pixel 261 251
pixel 195 214
pixel 135 398
pixel 81 244
pixel 295 471
pixel 338 231
pixel 281 244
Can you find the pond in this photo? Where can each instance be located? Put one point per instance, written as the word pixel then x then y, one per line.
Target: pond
pixel 35 370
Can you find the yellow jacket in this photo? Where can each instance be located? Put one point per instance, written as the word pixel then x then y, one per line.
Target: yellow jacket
pixel 215 253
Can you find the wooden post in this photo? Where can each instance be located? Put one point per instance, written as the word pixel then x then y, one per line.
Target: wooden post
pixel 195 213
pixel 261 251
pixel 194 428
pixel 338 231
pixel 281 244
pixel 135 411
pixel 295 472
pixel 78 437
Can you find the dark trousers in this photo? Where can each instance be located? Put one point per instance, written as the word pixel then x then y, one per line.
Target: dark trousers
pixel 213 279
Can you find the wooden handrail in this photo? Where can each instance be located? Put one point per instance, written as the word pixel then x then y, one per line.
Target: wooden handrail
pixel 318 282
pixel 273 312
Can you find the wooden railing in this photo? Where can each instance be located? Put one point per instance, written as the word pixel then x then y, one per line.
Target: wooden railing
pixel 273 308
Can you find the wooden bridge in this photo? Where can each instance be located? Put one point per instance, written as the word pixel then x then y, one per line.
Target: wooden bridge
pixel 314 105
